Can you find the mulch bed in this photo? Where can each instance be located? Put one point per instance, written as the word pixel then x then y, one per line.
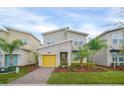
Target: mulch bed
pixel 121 68
pixel 81 69
pixel 60 70
pixel 32 67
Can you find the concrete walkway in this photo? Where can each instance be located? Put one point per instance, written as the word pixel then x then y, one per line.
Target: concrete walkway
pixel 39 76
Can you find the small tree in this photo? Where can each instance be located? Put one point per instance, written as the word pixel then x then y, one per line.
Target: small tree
pixel 94 45
pixel 10 47
pixel 36 58
pixel 82 53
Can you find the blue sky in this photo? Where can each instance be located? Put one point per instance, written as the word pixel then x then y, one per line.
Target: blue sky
pixel 39 20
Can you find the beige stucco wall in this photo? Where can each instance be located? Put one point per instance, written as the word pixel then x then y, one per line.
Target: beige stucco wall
pixel 25 57
pixel 3 35
pixel 32 43
pixel 56 49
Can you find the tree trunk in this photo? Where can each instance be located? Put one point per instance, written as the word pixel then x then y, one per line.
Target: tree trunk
pixel 11 59
pixel 81 61
pixel 93 59
pixel 114 66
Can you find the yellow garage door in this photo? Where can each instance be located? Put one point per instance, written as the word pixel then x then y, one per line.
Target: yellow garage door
pixel 49 60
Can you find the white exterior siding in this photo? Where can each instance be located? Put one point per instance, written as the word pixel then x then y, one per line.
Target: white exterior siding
pixel 101 57
pixel 76 37
pixel 54 37
pixel 107 60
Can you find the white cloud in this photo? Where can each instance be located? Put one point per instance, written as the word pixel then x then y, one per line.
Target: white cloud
pixel 91 29
pixel 46 27
pixel 22 19
pixel 76 16
pixel 73 15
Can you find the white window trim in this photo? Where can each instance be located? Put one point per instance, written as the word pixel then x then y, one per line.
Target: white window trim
pixel 78 42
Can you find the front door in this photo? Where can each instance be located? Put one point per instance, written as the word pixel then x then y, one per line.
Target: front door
pixel 63 57
pixel 15 59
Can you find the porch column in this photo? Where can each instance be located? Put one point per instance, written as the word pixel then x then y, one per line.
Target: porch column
pixel 69 58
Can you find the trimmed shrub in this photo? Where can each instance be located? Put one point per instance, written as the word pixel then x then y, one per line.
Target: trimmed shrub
pixel 11 68
pixel 75 64
pixel 63 64
pixel 121 64
pixel 89 65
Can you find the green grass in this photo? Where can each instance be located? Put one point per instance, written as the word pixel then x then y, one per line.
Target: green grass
pixel 6 78
pixel 110 77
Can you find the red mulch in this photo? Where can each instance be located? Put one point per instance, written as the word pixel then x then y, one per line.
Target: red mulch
pixel 81 69
pixel 60 70
pixel 32 68
pixel 119 68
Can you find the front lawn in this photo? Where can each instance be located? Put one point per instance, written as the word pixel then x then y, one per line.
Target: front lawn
pixel 6 78
pixel 110 77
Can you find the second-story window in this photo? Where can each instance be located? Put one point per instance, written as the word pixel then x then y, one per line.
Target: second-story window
pixel 78 42
pixel 50 42
pixel 115 41
pixel 75 43
pixel 121 41
pixel 25 41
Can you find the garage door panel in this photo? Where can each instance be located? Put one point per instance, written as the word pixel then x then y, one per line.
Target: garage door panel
pixel 49 60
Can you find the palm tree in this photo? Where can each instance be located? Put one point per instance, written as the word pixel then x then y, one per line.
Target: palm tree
pixel 82 53
pixel 3 44
pixel 96 44
pixel 36 57
pixel 10 47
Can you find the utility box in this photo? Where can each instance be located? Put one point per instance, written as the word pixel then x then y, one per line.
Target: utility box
pixel 17 69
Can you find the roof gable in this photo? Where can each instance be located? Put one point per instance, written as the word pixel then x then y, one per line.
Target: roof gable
pixel 64 29
pixel 109 31
pixel 12 29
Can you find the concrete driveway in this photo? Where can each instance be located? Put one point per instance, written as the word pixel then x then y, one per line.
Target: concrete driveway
pixel 39 76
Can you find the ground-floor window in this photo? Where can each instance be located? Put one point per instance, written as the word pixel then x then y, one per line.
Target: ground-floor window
pixel 14 60
pixel 75 57
pixel 117 57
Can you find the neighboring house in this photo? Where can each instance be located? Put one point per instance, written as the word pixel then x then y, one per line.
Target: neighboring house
pixel 113 39
pixel 22 56
pixel 60 46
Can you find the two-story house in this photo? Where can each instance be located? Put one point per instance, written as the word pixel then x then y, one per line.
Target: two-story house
pixel 59 46
pixel 22 56
pixel 114 39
